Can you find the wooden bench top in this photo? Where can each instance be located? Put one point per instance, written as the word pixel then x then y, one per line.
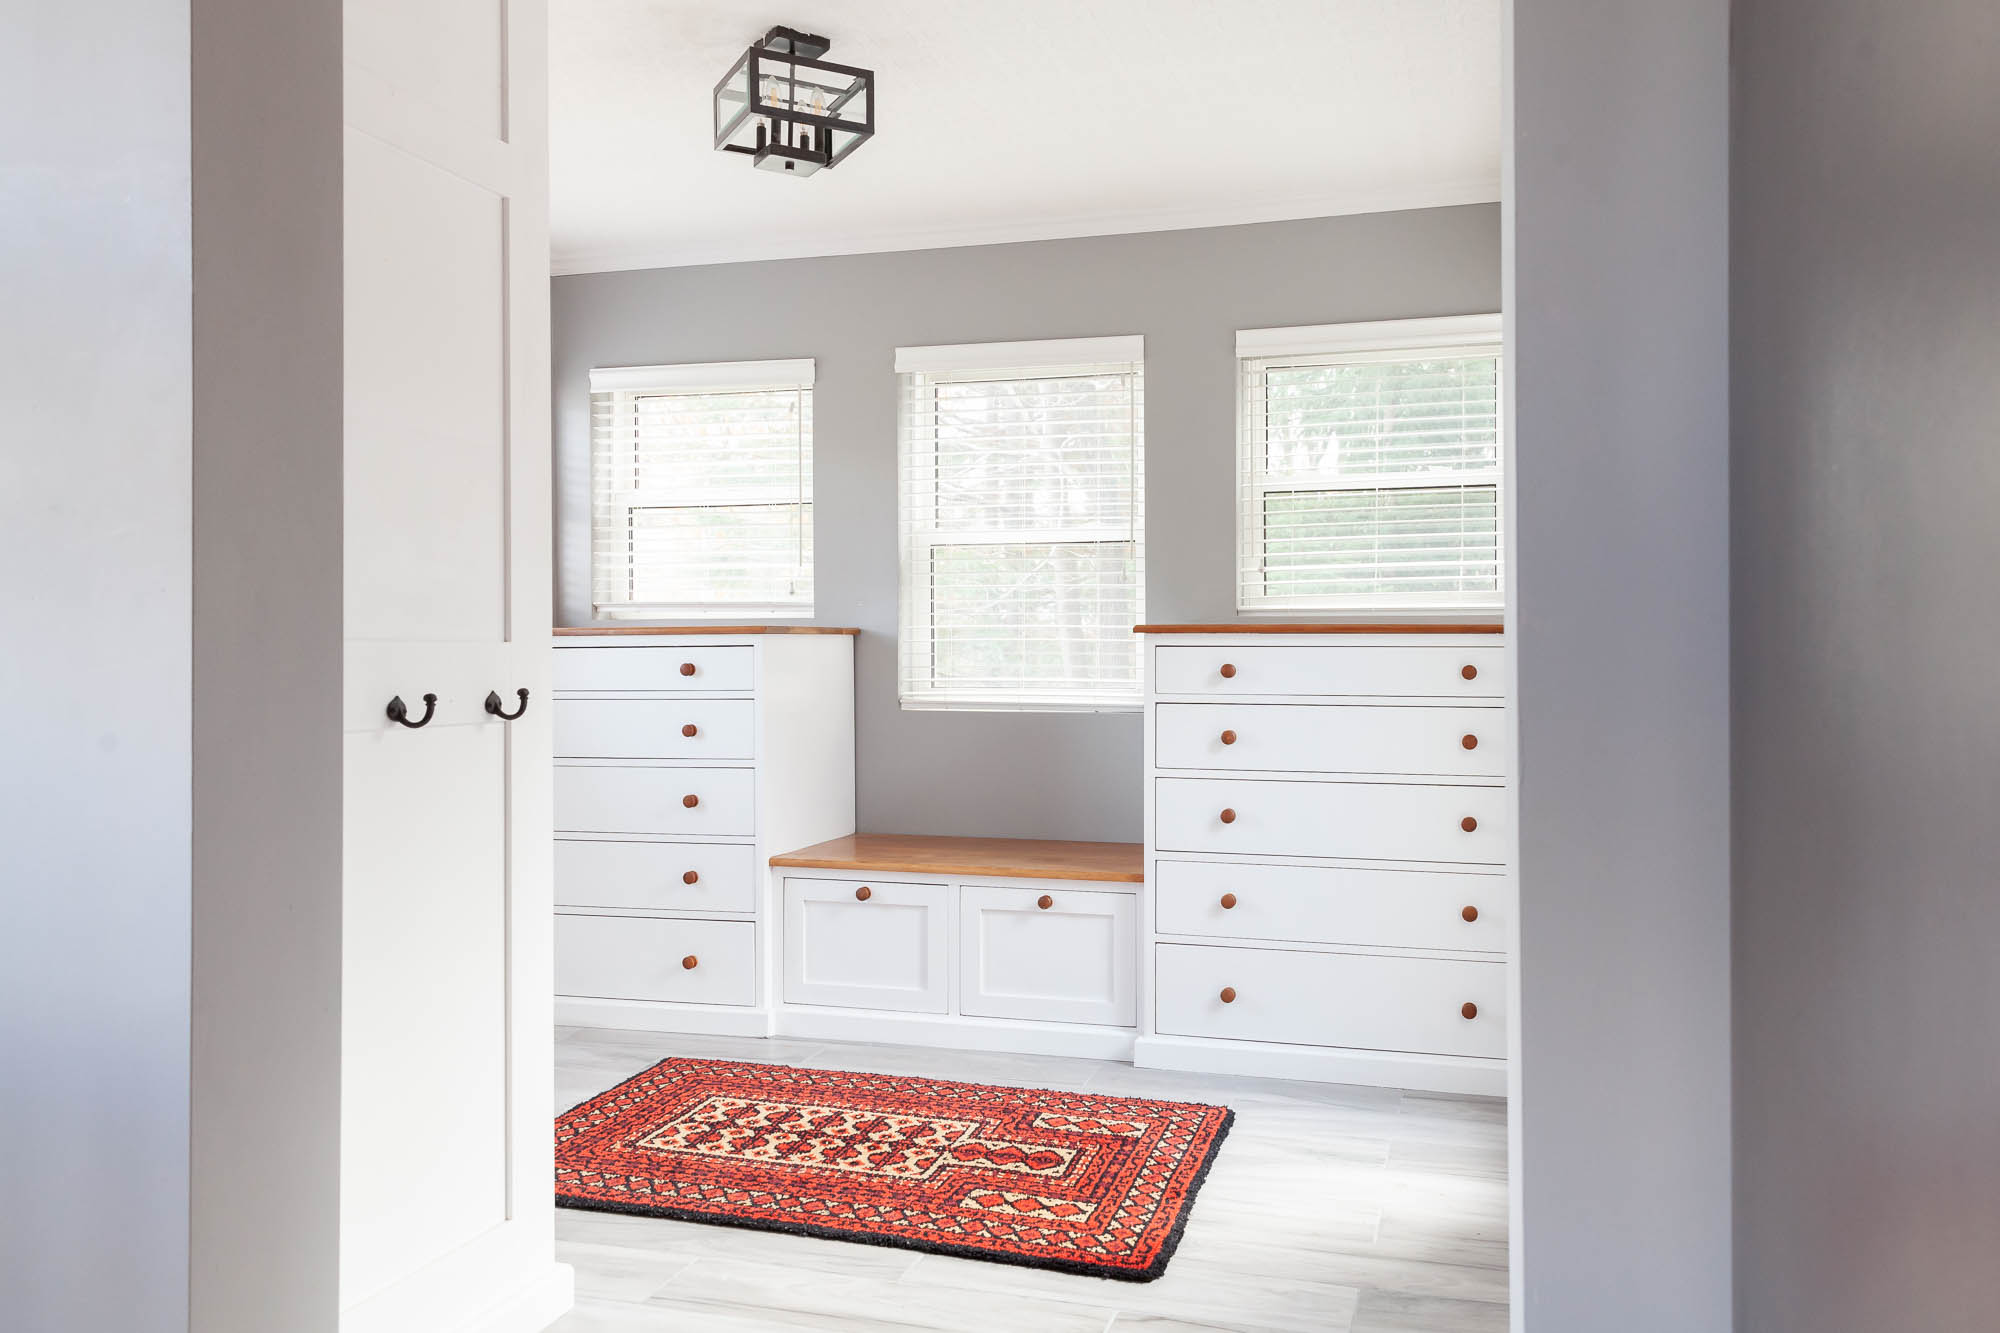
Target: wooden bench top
pixel 627 631
pixel 1013 858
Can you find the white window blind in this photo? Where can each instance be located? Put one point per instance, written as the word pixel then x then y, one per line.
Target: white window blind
pixel 701 490
pixel 1371 468
pixel 1022 524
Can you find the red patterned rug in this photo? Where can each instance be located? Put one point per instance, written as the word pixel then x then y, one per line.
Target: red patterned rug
pixel 1072 1181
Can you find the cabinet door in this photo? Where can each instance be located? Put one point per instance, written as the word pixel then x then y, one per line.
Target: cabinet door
pixel 447 995
pixel 865 944
pixel 1055 954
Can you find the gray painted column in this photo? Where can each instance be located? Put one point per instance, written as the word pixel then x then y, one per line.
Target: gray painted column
pixel 265 1201
pixel 1618 234
pixel 1866 388
pixel 95 553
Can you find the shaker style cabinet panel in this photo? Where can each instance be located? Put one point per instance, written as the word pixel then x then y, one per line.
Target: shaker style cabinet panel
pixel 1059 955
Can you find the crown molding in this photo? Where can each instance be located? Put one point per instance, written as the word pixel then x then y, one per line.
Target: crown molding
pixel 879 240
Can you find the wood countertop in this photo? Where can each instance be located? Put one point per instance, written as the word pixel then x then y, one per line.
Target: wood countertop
pixel 1014 858
pixel 619 631
pixel 1268 627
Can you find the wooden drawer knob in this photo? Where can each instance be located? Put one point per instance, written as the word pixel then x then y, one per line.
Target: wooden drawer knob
pixel 690 800
pixel 1469 1009
pixel 863 894
pixel 687 669
pixel 1228 670
pixel 1470 913
pixel 1229 816
pixel 690 877
pixel 1468 823
pixel 1469 741
pixel 1045 902
pixel 1469 671
pixel 690 729
pixel 1229 995
pixel 1228 901
pixel 688 963
pixel 1229 738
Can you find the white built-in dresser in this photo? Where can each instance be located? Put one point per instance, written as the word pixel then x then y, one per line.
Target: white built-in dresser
pixel 1329 846
pixel 684 759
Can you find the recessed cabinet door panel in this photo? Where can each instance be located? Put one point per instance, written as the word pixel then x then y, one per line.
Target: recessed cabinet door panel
pixel 1068 962
pixel 426 400
pixel 865 944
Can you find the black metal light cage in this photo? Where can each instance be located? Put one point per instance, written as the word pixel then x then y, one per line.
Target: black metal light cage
pixel 746 123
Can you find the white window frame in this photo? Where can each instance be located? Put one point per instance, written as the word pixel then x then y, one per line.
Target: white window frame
pixel 967 362
pixel 779 376
pixel 1346 344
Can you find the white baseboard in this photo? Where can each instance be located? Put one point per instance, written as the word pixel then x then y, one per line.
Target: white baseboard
pixel 714 1020
pixel 1381 1069
pixel 531 1308
pixel 954 1032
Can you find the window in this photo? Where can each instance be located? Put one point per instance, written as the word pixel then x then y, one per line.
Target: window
pixel 1022 518
pixel 1370 467
pixel 701 490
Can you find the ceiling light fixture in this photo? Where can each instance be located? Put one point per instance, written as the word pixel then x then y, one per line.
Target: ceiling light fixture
pixel 790 110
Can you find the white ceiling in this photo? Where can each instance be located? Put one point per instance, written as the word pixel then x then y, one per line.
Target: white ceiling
pixel 1005 120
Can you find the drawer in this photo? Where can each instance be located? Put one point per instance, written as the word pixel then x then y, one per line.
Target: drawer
pixel 1409 909
pixel 656 729
pixel 649 957
pixel 1056 954
pixel 865 944
pixel 1334 669
pixel 612 799
pixel 655 670
pixel 1369 1001
pixel 1330 738
pixel 674 876
pixel 1370 821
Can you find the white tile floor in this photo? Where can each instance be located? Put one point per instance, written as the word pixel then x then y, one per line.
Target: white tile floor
pixel 1349 1210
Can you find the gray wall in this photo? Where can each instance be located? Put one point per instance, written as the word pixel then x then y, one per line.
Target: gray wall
pixel 1619 303
pixel 94 672
pixel 1866 359
pixel 267 666
pixel 1023 775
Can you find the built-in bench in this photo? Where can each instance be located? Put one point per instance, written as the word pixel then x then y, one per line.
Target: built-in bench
pixel 991 943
